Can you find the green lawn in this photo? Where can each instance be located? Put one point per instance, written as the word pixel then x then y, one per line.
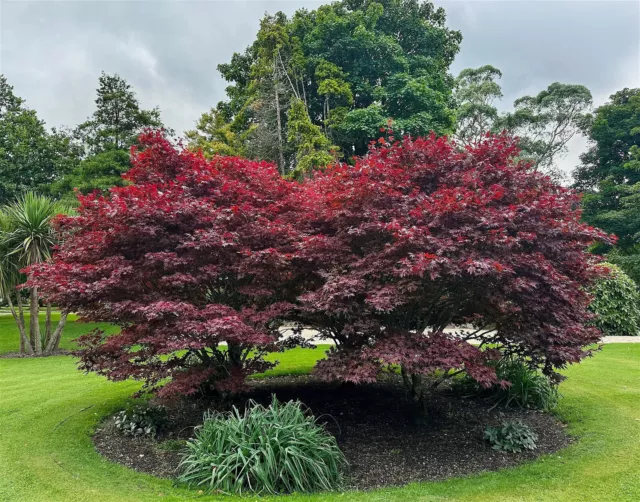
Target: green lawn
pixel 48 409
pixel 10 341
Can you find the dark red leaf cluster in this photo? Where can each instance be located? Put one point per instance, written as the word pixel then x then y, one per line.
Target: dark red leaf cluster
pixel 380 257
pixel 422 235
pixel 193 255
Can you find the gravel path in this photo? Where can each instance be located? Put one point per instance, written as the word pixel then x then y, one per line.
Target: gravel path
pixel 621 339
pixel 310 334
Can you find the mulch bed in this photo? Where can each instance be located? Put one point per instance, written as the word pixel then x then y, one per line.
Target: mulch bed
pixel 375 428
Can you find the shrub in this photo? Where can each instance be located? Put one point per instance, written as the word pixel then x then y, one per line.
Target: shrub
pixel 513 436
pixel 141 420
pixel 629 263
pixel 528 389
pixel 277 449
pixel 616 303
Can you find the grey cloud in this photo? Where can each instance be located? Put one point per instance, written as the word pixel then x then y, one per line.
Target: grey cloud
pixel 53 51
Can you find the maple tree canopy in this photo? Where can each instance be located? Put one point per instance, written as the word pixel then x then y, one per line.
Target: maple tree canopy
pixel 380 257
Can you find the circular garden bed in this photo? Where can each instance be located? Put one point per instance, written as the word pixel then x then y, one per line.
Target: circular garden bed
pixel 375 426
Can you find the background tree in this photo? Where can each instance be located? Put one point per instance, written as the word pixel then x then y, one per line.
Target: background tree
pixel 614 132
pixel 544 123
pixel 106 137
pixel 31 158
pixel 313 149
pixel 475 94
pixel 118 118
pixel 610 176
pixel 354 65
pixel 27 237
pixel 214 136
pixel 96 172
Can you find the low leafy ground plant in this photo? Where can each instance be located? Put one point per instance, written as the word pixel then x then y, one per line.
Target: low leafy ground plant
pixel 511 436
pixel 141 420
pixel 265 450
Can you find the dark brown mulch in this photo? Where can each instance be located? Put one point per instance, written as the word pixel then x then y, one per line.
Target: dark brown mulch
pixel 375 428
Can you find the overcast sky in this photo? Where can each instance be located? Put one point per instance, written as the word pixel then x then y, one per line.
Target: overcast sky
pixel 52 51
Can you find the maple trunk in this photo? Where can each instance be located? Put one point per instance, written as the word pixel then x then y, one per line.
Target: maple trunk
pixel 54 340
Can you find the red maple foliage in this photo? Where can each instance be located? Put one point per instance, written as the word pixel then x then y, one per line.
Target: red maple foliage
pixel 191 255
pixel 380 257
pixel 421 235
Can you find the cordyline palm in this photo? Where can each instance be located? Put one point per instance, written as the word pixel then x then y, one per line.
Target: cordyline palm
pixel 27 237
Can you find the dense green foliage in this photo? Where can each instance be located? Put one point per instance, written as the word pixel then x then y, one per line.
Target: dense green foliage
pixel 614 132
pixel 627 260
pixel 265 450
pixel 610 176
pixel 30 156
pixel 512 436
pixel 97 172
pixel 353 64
pixel 105 138
pixel 616 303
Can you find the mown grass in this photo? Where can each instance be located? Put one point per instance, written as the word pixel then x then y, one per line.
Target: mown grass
pixel 48 410
pixel 10 341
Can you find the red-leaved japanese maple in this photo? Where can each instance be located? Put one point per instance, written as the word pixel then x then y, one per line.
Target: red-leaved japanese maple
pixel 191 255
pixel 421 235
pixel 380 257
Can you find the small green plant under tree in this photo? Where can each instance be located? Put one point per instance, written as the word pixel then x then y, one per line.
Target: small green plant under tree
pixel 141 420
pixel 265 450
pixel 512 436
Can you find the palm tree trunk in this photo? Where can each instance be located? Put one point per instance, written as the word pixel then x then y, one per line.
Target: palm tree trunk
pixel 25 346
pixel 47 326
pixel 34 322
pixel 25 341
pixel 54 340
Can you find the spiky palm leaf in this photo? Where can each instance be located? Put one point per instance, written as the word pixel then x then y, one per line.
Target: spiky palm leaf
pixel 8 262
pixel 27 230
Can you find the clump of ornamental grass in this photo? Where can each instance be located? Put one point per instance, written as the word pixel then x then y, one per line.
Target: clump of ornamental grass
pixel 529 388
pixel 264 450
